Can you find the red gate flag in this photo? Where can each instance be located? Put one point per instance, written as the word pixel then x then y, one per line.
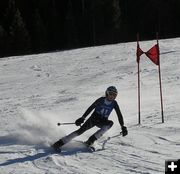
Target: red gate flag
pixel 139 52
pixel 153 54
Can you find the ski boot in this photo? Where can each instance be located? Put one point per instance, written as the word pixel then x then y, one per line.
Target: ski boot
pixel 57 146
pixel 89 143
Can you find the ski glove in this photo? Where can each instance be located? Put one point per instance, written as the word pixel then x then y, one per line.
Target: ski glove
pixel 79 121
pixel 124 131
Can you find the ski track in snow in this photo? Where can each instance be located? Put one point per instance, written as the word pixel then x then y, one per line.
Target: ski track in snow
pixel 37 91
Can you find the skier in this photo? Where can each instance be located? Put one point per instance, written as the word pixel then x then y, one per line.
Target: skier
pixel 102 109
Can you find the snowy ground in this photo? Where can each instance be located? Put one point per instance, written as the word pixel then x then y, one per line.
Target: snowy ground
pixel 37 91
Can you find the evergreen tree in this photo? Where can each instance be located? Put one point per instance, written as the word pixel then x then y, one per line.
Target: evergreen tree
pixel 106 15
pixel 3 40
pixel 20 40
pixel 116 14
pixel 54 26
pixel 38 33
pixel 113 19
pixel 9 14
pixel 61 24
pixel 71 27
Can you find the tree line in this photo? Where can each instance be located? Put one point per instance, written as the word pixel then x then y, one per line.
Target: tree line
pixel 34 26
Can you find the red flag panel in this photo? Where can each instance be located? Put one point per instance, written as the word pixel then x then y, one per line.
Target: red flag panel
pixel 139 52
pixel 153 54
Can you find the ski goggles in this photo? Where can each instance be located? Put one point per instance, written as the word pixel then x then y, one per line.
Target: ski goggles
pixel 111 93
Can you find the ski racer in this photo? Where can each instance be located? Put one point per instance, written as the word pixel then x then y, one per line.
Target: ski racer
pixel 102 109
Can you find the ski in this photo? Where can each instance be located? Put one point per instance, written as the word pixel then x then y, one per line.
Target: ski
pixel 88 148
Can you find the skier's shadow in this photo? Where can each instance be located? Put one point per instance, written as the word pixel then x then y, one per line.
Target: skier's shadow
pixel 39 155
pixel 74 148
pixel 69 152
pixel 9 140
pixel 26 158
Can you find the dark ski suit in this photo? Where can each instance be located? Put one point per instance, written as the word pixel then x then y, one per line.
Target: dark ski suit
pixel 102 109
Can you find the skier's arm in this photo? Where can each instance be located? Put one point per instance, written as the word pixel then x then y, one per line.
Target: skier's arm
pixel 119 114
pixel 121 121
pixel 91 108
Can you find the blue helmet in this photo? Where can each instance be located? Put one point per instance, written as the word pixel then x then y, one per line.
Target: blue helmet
pixel 111 89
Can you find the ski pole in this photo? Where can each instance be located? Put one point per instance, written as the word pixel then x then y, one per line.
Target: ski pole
pixel 108 138
pixel 59 124
pixel 115 136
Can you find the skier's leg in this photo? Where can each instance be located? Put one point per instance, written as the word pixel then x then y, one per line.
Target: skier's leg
pixel 104 128
pixel 87 125
pixel 58 144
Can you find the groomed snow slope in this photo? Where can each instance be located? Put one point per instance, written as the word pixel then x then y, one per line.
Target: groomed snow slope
pixel 37 91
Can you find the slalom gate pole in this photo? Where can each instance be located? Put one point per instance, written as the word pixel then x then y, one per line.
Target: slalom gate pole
pixel 139 103
pixel 160 85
